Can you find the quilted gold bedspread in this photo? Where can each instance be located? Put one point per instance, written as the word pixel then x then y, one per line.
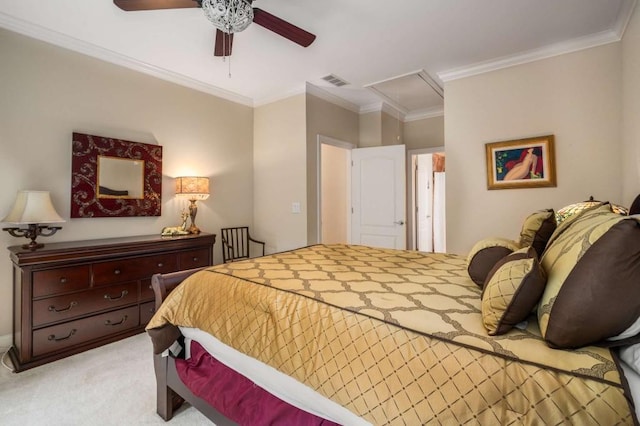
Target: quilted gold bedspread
pixel 397 338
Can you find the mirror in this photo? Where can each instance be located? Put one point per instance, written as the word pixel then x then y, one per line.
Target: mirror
pixel 120 177
pixel 114 177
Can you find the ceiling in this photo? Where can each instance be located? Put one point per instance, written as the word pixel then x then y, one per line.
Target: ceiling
pixel 390 54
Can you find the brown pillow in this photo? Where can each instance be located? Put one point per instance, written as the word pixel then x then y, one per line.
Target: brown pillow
pixel 485 254
pixel 537 229
pixel 512 290
pixel 593 286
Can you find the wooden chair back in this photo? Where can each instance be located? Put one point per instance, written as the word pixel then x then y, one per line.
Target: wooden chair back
pixel 237 242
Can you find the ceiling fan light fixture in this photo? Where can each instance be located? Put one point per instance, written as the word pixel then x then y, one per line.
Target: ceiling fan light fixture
pixel 230 16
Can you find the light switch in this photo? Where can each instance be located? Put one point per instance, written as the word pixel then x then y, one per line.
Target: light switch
pixel 295 207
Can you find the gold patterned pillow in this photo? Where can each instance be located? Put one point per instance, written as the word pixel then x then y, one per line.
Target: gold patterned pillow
pixel 512 290
pixel 485 254
pixel 537 229
pixel 592 268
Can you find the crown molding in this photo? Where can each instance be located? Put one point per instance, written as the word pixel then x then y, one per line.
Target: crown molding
pixel 314 90
pixel 424 114
pixel 286 95
pixel 67 42
pixel 624 16
pixel 393 111
pixel 575 45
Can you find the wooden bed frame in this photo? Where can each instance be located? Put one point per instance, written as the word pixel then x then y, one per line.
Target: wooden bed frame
pixel 171 392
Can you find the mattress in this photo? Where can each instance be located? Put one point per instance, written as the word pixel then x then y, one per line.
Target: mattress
pixel 395 337
pixel 273 381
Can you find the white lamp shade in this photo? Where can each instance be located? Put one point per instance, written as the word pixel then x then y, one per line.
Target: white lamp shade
pixel 193 188
pixel 33 207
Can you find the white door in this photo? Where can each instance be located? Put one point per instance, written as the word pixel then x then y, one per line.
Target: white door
pixel 378 196
pixel 424 197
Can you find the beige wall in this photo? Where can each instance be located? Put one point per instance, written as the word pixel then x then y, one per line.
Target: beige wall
pixel 576 97
pixel 425 133
pixel 631 109
pixel 280 173
pixel 370 129
pixel 392 130
pixel 48 92
pixel 326 119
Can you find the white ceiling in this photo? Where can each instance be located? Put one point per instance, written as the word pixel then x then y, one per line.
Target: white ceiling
pixel 361 41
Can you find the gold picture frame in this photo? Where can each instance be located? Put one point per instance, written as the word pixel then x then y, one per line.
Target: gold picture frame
pixel 521 163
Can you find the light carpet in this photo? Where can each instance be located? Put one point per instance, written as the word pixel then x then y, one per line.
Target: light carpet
pixel 110 385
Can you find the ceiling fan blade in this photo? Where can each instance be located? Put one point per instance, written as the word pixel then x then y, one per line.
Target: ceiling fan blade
pixel 224 43
pixel 282 27
pixel 131 5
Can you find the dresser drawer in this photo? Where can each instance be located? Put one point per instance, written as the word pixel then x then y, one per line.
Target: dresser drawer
pixel 146 291
pixel 194 259
pixel 146 312
pixel 60 280
pixel 59 308
pixel 62 336
pixel 133 269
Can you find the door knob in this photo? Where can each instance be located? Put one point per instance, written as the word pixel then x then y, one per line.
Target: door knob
pixel 399 222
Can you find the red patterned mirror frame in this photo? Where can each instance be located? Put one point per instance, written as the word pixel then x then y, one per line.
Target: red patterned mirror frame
pixel 85 200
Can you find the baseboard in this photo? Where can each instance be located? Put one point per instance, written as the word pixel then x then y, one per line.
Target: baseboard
pixel 5 341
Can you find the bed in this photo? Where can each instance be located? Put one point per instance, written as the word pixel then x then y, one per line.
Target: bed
pixel 345 334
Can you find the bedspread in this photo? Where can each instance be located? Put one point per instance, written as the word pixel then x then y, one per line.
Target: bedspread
pixel 394 336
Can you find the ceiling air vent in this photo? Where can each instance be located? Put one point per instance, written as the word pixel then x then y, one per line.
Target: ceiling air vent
pixel 336 81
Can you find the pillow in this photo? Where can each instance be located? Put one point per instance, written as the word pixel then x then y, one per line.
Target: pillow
pixel 568 212
pixel 512 290
pixel 537 229
pixel 593 289
pixel 485 254
pixel 635 206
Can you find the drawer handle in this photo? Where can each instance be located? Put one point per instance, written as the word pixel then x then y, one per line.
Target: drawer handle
pixel 160 264
pixel 117 271
pixel 195 259
pixel 71 305
pixel 52 337
pixel 108 322
pixel 122 294
pixel 63 280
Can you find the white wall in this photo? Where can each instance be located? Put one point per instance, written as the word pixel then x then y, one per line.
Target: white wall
pixel 631 108
pixel 577 97
pixel 48 92
pixel 280 174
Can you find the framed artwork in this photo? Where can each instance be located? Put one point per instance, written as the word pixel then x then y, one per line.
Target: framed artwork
pixel 114 177
pixel 522 163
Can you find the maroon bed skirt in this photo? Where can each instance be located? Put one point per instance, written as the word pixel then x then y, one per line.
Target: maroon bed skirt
pixel 237 397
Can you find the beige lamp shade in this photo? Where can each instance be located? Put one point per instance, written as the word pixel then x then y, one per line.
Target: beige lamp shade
pixel 33 207
pixel 193 188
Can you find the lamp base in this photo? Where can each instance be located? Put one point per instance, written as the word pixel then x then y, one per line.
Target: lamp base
pixel 33 245
pixel 193 211
pixel 32 232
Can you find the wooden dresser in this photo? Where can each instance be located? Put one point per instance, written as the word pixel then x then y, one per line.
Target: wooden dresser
pixel 74 296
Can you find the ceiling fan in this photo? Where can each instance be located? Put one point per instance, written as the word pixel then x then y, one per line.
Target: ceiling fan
pixel 228 16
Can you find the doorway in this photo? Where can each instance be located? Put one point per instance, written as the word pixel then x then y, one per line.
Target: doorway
pixel 361 194
pixel 334 192
pixel 427 200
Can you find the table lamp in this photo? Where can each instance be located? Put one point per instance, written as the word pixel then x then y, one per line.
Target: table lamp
pixel 35 210
pixel 193 189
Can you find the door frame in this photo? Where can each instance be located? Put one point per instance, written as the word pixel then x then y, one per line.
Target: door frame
pixel 411 192
pixel 322 139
